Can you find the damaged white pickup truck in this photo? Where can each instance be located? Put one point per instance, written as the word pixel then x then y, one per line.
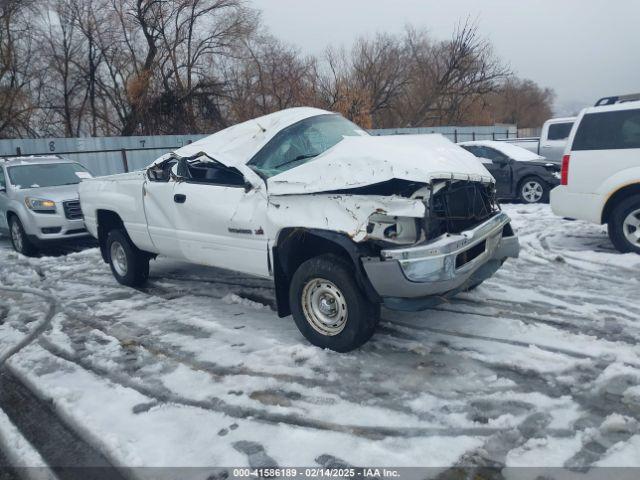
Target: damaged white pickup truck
pixel 340 220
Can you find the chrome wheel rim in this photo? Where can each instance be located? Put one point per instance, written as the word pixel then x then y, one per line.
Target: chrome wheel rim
pixel 16 236
pixel 324 306
pixel 119 258
pixel 532 191
pixel 631 228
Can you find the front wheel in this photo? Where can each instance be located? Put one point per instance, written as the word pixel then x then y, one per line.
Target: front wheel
pixel 533 190
pixel 624 225
pixel 129 265
pixel 328 307
pixel 19 238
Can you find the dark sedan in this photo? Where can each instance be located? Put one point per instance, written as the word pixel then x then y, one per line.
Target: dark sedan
pixel 520 174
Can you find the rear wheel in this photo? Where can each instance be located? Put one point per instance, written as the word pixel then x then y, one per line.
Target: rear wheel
pixel 624 225
pixel 533 190
pixel 328 307
pixel 19 238
pixel 129 265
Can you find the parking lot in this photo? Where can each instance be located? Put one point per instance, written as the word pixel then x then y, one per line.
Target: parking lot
pixel 538 366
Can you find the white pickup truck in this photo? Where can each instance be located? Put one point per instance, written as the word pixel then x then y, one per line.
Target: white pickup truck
pixel 552 140
pixel 341 221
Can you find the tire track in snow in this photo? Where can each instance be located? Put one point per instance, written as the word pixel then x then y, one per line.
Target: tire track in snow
pixel 572 328
pixel 56 443
pixel 242 412
pixel 52 310
pixel 516 343
pixel 206 367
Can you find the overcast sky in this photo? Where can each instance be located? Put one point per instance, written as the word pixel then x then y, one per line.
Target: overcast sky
pixel 583 49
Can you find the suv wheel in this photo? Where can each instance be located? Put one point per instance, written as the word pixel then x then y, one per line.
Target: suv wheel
pixel 129 265
pixel 328 307
pixel 19 238
pixel 533 190
pixel 624 225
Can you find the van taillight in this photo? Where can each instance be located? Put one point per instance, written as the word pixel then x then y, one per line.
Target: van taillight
pixel 564 174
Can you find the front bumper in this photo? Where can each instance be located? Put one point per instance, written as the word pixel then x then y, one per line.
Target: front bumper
pixel 45 227
pixel 444 266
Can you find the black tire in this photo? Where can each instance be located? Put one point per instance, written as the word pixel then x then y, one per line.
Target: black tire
pixel 362 315
pixel 21 244
pixel 616 224
pixel 532 179
pixel 132 269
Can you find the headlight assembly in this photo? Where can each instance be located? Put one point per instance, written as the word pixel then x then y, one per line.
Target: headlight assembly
pixel 402 230
pixel 40 205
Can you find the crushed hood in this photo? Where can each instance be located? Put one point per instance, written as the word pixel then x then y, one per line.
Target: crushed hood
pixel 362 161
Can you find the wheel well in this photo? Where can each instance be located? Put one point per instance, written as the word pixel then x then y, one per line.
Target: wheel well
pixel 617 197
pixel 107 221
pixel 297 245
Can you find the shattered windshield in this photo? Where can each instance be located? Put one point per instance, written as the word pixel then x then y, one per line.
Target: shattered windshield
pixel 301 142
pixel 47 175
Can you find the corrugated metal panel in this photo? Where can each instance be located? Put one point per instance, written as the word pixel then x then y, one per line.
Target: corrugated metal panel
pixel 101 155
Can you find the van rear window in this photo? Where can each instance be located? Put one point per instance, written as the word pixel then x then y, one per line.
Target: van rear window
pixel 608 131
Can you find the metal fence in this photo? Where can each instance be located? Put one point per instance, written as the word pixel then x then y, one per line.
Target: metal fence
pixel 109 155
pixel 457 134
pixel 101 155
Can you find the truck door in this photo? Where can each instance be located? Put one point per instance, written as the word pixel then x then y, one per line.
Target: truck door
pixel 553 139
pixel 160 210
pixel 220 221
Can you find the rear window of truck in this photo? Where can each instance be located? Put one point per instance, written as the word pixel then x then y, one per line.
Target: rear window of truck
pixel 559 131
pixel 608 131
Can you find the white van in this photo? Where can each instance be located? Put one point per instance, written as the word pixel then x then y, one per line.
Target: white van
pixel 600 178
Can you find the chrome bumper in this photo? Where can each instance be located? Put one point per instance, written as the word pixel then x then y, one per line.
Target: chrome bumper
pixel 448 263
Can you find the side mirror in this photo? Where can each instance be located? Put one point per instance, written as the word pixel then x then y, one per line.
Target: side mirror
pixel 182 169
pixel 247 186
pixel 3 189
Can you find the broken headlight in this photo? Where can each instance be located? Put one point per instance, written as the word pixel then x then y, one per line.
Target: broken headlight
pixel 392 229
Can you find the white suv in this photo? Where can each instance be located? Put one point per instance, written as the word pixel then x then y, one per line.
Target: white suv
pixel 600 179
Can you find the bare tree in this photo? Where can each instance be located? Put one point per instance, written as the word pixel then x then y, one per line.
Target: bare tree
pixel 379 67
pixel 446 75
pixel 268 76
pixel 522 102
pixel 17 69
pixel 338 91
pixel 124 67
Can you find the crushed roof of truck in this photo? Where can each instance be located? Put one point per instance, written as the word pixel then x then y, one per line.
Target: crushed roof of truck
pixel 239 143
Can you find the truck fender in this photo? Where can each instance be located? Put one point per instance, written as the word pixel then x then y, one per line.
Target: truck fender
pixel 286 261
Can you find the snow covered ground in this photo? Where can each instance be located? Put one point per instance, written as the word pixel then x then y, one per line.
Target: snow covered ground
pixel 540 366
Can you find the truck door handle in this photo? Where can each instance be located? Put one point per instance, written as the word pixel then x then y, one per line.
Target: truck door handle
pixel 179 198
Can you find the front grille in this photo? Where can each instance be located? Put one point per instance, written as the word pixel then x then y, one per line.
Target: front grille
pixel 72 209
pixel 459 206
pixel 471 254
